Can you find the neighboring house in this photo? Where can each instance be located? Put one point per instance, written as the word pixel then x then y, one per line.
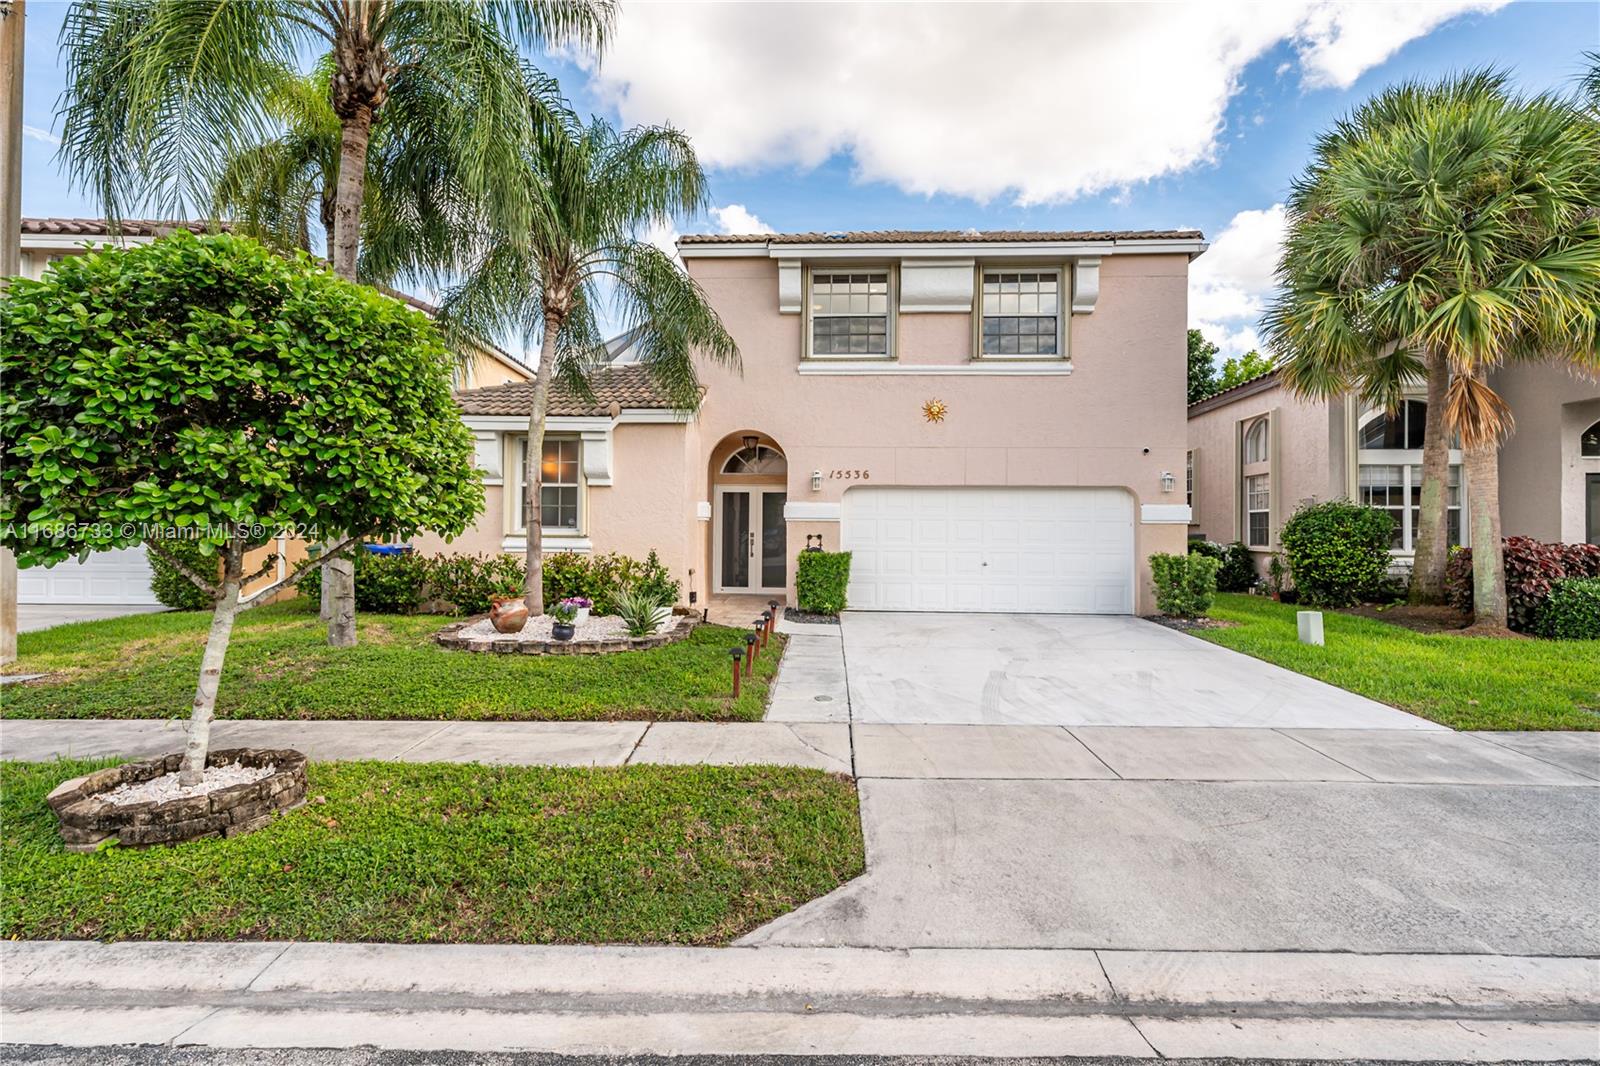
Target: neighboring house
pixel 123 576
pixel 1256 454
pixel 988 421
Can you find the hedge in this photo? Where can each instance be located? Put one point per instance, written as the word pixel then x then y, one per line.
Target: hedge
pixel 1338 552
pixel 1532 569
pixel 172 588
pixel 820 581
pixel 1236 571
pixel 1572 610
pixel 1186 585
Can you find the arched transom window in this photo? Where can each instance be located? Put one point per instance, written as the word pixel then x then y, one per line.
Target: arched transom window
pixel 1589 443
pixel 1401 430
pixel 1255 442
pixel 756 459
pixel 1389 474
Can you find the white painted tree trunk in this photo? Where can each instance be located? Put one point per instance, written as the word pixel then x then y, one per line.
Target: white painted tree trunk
pixel 192 771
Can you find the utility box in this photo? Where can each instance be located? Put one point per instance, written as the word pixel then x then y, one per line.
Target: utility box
pixel 1310 627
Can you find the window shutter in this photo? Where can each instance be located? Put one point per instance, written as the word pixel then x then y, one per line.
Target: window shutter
pixel 1236 475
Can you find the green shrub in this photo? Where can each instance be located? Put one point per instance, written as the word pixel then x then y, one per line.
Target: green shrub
pixel 1236 570
pixel 1186 585
pixel 467 581
pixel 1572 610
pixel 820 581
pixel 385 584
pixel 600 577
pixel 1338 551
pixel 172 588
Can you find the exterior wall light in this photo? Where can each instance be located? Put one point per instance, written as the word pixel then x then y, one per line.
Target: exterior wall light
pixel 1167 481
pixel 816 481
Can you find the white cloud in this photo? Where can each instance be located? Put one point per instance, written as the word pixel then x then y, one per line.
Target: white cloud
pixel 736 218
pixel 1337 43
pixel 1230 283
pixel 1040 102
pixel 38 134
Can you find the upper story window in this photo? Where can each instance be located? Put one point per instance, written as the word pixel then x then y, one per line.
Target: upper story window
pixel 1401 430
pixel 1589 443
pixel 1021 312
pixel 850 313
pixel 1255 442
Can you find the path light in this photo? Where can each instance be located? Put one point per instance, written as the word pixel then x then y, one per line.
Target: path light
pixel 735 653
pixel 1167 481
pixel 772 607
pixel 749 653
pixel 764 624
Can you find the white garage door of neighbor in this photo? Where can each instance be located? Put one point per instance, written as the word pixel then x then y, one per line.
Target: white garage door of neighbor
pixel 1033 551
pixel 119 576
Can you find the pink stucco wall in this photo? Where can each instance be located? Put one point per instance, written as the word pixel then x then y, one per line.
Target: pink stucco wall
pixel 1541 473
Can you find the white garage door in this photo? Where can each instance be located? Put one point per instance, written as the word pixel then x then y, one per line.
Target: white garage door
pixel 1044 551
pixel 120 576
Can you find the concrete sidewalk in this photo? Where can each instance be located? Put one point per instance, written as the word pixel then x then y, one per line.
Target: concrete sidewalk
pixel 745 1001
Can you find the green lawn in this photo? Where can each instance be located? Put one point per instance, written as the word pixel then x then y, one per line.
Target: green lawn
pixel 280 666
pixel 438 852
pixel 1462 682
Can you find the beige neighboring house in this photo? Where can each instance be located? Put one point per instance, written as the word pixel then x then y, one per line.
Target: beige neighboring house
pixel 1256 454
pixel 988 421
pixel 123 576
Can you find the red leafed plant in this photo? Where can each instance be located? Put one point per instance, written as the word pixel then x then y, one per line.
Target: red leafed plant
pixel 1532 569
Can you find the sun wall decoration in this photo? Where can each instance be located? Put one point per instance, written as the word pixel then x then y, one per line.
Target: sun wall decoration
pixel 935 410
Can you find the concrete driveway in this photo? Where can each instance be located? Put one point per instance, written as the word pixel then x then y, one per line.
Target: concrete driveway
pixel 1090 670
pixel 32 616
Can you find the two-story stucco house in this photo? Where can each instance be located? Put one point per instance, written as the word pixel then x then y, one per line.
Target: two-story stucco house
pixel 1257 453
pixel 988 421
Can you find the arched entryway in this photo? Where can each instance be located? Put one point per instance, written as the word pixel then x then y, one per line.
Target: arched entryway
pixel 749 537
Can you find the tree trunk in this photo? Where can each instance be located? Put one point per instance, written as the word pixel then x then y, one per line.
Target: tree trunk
pixel 1488 559
pixel 354 135
pixel 338 578
pixel 192 770
pixel 340 575
pixel 1432 541
pixel 532 467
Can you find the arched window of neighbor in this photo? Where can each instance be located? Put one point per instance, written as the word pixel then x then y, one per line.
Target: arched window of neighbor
pixel 1589 443
pixel 756 459
pixel 1255 442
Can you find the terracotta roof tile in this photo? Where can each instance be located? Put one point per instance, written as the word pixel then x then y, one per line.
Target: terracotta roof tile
pixel 96 227
pixel 625 386
pixel 899 236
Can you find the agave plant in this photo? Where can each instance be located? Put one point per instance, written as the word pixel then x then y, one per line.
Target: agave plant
pixel 641 611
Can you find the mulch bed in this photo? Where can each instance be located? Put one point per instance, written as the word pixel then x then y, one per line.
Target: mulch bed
pixel 794 614
pixel 1419 618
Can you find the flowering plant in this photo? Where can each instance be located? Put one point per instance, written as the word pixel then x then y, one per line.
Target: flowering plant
pixel 577 603
pixel 564 612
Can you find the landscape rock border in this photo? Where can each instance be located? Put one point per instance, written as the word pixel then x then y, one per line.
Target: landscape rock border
pixel 87 821
pixel 450 637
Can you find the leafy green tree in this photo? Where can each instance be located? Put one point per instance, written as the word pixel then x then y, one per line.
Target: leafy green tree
pixel 161 92
pixel 207 388
pixel 1440 231
pixel 1202 367
pixel 600 189
pixel 1236 370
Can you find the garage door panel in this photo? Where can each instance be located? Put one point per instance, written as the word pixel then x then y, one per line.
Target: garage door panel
pixel 1043 550
pixel 120 576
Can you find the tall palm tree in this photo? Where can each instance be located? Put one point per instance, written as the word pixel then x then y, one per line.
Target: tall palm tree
pixel 599 190
pixel 159 92
pixel 1439 232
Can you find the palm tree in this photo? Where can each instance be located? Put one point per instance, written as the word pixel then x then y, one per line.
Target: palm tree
pixel 159 92
pixel 1439 232
pixel 599 190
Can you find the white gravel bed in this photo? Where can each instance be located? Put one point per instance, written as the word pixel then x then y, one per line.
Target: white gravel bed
pixel 166 787
pixel 595 627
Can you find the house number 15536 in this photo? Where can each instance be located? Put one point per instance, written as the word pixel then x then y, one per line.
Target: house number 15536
pixel 851 475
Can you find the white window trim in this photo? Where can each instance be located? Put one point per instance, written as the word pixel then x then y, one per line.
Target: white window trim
pixel 891 313
pixel 516 485
pixel 1063 312
pixel 1265 509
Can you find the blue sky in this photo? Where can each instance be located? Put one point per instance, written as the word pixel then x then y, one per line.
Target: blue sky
pixel 813 117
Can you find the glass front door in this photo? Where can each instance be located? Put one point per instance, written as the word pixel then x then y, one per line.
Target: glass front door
pixel 752 547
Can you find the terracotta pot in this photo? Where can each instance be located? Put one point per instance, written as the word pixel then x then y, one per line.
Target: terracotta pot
pixel 508 616
pixel 562 630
